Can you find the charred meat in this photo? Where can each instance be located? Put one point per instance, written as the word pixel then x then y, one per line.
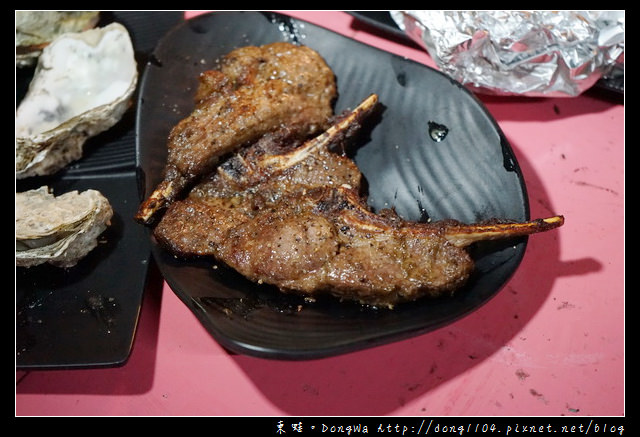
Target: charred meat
pixel 255 91
pixel 293 215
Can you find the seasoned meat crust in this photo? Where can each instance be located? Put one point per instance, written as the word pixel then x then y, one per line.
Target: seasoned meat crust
pixel 295 216
pixel 255 91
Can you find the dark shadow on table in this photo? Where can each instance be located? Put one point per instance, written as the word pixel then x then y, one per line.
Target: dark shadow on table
pixel 135 376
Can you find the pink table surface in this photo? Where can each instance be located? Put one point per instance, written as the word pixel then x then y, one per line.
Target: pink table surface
pixel 551 343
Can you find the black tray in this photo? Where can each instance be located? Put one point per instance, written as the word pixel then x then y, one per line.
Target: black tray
pixel 471 175
pixel 86 316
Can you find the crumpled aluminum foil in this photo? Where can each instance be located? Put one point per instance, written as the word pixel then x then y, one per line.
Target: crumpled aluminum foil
pixel 530 53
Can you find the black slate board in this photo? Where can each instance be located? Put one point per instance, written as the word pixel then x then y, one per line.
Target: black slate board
pixel 86 316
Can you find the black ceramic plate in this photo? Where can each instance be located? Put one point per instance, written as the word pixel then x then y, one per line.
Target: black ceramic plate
pixel 470 175
pixel 86 315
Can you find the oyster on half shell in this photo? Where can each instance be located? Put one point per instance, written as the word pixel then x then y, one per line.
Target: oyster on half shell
pixel 58 230
pixel 36 29
pixel 82 86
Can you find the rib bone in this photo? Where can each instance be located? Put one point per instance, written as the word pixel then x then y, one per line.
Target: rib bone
pixel 335 133
pixel 256 91
pixel 462 235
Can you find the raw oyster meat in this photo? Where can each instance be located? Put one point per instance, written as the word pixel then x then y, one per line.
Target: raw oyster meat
pixel 36 29
pixel 82 86
pixel 59 230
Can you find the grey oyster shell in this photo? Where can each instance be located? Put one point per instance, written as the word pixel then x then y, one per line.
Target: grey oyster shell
pixel 36 29
pixel 58 230
pixel 82 86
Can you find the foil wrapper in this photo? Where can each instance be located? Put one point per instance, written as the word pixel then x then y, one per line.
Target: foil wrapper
pixel 529 53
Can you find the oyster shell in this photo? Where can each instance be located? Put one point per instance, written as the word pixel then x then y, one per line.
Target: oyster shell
pixel 82 86
pixel 36 29
pixel 59 230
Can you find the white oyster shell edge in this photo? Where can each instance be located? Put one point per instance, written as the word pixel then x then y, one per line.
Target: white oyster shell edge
pixel 82 86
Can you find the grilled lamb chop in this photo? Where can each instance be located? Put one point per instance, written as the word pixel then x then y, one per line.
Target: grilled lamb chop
pixel 256 90
pixel 296 218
